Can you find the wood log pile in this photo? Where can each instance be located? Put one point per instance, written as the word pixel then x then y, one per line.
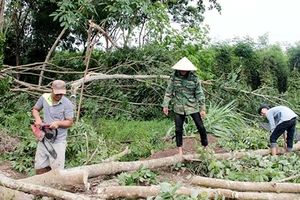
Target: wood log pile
pixel 60 183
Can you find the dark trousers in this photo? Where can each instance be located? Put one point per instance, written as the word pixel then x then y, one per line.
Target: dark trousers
pixel 179 120
pixel 290 127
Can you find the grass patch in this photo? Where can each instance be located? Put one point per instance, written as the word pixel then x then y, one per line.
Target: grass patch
pixel 140 136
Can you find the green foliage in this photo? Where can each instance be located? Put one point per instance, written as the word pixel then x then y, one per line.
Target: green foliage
pixel 91 142
pixel 250 168
pixel 129 98
pixel 257 168
pixel 259 65
pixel 15 117
pixel 293 53
pixel 22 159
pixel 223 121
pixel 85 145
pixel 246 138
pixel 15 114
pixel 71 13
pixel 141 136
pixel 293 91
pixel 206 164
pixel 128 15
pixel 5 83
pixel 140 177
pixel 274 66
pixel 168 192
pixel 178 166
pixel 223 59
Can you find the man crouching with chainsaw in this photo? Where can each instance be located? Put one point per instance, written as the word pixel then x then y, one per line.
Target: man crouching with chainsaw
pixel 51 132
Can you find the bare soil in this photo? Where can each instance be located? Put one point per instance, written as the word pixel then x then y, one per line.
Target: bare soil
pixel 190 145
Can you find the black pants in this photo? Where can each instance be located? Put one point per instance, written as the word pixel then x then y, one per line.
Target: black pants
pixel 179 120
pixel 290 127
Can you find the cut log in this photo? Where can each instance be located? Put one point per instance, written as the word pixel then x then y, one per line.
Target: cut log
pixel 39 190
pixel 61 179
pixel 147 191
pixel 117 167
pixel 247 186
pixel 238 155
pixel 6 193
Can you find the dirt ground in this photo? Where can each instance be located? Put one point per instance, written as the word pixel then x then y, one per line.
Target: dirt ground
pixel 190 145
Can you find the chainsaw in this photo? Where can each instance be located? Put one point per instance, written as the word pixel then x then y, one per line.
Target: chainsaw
pixel 47 136
pixel 50 134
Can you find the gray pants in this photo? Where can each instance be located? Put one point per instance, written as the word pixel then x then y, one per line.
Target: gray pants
pixel 44 159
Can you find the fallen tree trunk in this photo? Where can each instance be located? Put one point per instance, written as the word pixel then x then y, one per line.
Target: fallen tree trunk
pixel 116 167
pixel 7 193
pixel 238 155
pixel 39 190
pixel 247 186
pixel 92 76
pixel 114 192
pixel 61 179
pixel 67 179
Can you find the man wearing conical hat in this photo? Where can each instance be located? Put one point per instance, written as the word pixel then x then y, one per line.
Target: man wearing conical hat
pixel 186 93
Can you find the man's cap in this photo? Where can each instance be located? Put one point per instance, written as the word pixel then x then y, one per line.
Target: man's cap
pixel 261 107
pixel 59 87
pixel 184 64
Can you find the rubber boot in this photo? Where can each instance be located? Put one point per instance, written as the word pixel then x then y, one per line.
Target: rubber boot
pixel 42 171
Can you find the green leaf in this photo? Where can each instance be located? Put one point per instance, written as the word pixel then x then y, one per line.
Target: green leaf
pixel 165 187
pixel 194 194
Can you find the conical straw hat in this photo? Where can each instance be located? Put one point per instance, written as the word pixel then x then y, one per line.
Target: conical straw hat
pixel 184 64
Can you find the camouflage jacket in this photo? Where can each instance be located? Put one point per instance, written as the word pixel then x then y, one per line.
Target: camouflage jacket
pixel 186 93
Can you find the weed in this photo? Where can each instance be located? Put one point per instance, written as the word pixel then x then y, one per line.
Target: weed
pixel 140 177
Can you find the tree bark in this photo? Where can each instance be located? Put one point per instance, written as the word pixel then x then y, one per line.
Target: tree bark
pixel 116 167
pixel 114 192
pixel 92 24
pixel 61 179
pixel 247 186
pixel 238 155
pixel 89 50
pixel 7 193
pixel 91 76
pixel 67 180
pixel 39 190
pixel 49 54
pixel 2 6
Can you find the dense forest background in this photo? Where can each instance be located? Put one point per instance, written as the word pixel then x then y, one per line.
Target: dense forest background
pixel 119 54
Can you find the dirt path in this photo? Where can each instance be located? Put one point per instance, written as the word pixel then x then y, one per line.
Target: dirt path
pixel 190 145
